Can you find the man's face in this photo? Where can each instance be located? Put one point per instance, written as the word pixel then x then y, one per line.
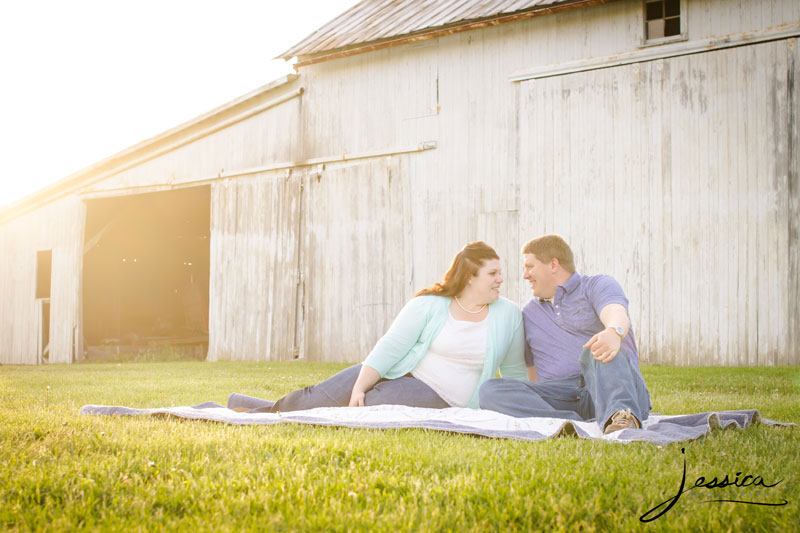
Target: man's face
pixel 540 275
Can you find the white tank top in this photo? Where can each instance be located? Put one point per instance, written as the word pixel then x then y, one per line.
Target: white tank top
pixel 454 362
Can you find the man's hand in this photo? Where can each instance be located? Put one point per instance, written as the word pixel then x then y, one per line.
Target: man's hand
pixel 604 345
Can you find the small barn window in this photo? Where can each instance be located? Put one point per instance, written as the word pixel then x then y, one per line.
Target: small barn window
pixel 662 19
pixel 44 265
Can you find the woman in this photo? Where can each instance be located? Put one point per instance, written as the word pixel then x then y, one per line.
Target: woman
pixel 448 340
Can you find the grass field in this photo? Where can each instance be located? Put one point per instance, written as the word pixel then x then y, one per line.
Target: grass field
pixel 60 471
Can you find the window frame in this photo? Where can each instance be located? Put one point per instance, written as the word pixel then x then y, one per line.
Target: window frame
pixel 682 36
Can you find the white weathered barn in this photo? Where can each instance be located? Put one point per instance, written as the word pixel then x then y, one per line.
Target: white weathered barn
pixel 659 137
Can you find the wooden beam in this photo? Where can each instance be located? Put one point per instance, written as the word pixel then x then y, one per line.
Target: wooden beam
pixel 649 53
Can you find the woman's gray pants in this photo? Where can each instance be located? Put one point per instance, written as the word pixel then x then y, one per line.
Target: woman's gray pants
pixel 335 392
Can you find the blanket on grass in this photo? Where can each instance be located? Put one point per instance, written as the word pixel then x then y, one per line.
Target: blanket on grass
pixel 659 429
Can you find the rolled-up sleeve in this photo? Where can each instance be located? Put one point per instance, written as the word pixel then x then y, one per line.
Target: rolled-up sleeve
pixel 604 290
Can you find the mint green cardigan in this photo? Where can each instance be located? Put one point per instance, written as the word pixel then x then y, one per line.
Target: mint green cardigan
pixel 401 349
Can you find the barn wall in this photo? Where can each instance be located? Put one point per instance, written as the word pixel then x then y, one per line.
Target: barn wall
pixel 474 117
pixel 716 18
pixel 676 180
pixel 57 227
pixel 455 91
pixel 315 261
pixel 510 164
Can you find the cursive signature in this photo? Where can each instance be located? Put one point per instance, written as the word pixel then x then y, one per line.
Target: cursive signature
pixel 714 483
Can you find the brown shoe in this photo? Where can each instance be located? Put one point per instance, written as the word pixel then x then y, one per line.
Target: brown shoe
pixel 623 419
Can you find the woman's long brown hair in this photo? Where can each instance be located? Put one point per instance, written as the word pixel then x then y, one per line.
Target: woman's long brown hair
pixel 465 264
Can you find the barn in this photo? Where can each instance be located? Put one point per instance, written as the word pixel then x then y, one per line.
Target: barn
pixel 659 137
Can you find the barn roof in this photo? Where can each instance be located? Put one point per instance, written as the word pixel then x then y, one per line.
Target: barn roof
pixel 376 21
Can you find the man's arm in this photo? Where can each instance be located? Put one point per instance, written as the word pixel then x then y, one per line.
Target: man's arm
pixel 605 344
pixel 530 363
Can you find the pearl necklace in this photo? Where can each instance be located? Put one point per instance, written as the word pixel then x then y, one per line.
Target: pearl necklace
pixel 467 310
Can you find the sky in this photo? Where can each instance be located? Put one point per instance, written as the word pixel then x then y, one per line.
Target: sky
pixel 85 79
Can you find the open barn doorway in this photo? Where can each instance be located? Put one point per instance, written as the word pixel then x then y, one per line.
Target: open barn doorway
pixel 145 275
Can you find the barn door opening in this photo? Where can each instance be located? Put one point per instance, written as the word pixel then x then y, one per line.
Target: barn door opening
pixel 44 274
pixel 146 274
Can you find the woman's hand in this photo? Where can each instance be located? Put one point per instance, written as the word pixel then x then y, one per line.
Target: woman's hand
pixel 357 398
pixel 367 378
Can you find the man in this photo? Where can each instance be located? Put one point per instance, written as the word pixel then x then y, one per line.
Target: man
pixel 581 355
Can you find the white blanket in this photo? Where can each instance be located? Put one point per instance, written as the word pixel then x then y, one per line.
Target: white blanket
pixel 659 429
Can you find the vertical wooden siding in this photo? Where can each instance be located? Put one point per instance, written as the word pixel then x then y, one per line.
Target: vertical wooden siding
pixel 57 227
pixel 308 263
pixel 673 176
pixel 354 256
pixel 253 275
pixel 793 266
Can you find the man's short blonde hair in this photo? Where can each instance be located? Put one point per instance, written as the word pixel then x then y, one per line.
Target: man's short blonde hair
pixel 548 247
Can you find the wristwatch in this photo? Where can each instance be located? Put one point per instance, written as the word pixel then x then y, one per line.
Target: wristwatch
pixel 619 331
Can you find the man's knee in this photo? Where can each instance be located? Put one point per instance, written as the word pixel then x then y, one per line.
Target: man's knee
pixel 621 361
pixel 490 392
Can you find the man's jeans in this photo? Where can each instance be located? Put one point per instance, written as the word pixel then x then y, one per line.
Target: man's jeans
pixel 599 391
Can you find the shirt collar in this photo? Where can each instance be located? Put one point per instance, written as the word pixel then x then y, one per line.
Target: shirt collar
pixel 572 283
pixel 569 286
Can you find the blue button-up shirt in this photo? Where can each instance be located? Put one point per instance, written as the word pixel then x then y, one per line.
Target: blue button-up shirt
pixel 556 331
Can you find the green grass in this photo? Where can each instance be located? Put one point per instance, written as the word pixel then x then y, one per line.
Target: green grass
pixel 60 471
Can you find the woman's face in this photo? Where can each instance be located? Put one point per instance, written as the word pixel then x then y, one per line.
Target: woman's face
pixel 485 284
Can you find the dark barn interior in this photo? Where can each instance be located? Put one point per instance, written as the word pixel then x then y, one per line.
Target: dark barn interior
pixel 146 272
